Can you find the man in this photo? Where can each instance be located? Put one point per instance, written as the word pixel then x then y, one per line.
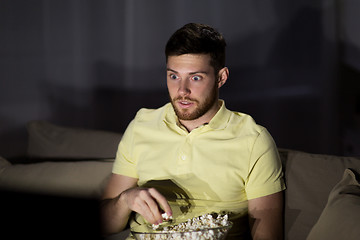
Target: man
pixel 193 156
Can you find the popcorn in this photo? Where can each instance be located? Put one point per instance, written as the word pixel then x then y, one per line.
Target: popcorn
pixel 166 218
pixel 195 228
pixel 199 223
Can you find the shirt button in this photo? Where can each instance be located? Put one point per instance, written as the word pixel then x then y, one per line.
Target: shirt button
pixel 183 157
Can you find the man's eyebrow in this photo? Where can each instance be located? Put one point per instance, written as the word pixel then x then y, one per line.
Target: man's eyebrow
pixel 191 73
pixel 171 70
pixel 197 72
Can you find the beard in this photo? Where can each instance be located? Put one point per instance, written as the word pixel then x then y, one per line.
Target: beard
pixel 201 108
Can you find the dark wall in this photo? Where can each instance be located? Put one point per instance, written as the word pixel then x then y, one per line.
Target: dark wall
pixel 93 64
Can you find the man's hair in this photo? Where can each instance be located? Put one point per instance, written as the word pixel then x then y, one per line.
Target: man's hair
pixel 194 38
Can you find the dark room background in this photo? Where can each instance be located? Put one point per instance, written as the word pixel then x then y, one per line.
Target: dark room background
pixel 294 65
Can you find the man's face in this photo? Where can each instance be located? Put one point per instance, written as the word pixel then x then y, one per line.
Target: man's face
pixel 192 85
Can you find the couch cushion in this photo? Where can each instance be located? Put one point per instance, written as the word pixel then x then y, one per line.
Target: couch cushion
pixel 83 179
pixel 309 179
pixel 3 163
pixel 340 219
pixel 47 140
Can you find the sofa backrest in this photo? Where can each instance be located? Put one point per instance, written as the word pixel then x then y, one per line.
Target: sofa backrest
pixel 78 178
pixel 309 179
pixel 47 140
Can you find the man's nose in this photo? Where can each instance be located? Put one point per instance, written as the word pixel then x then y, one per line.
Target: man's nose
pixel 184 88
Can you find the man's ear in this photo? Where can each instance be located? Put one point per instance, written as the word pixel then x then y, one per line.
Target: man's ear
pixel 223 76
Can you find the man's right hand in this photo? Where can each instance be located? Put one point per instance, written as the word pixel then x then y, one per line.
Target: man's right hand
pixel 148 202
pixel 122 196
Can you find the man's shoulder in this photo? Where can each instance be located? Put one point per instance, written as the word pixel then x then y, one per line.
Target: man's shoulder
pixel 246 123
pixel 151 114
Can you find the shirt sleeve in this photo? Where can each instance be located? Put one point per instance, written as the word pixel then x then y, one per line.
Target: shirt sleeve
pixel 124 163
pixel 265 175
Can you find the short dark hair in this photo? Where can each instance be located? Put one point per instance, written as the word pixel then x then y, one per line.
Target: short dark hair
pixel 195 38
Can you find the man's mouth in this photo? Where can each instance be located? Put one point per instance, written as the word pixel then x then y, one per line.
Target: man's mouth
pixel 185 103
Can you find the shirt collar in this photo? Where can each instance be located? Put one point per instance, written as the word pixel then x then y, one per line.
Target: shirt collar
pixel 218 122
pixel 221 118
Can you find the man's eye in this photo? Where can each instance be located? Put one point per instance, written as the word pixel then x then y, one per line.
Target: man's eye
pixel 196 78
pixel 173 76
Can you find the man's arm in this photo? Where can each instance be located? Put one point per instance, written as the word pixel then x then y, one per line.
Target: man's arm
pixel 122 196
pixel 266 217
pixel 115 216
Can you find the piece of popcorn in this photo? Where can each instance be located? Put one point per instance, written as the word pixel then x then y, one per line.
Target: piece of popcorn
pixel 166 217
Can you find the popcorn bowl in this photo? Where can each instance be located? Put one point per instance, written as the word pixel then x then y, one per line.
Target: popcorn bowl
pixel 215 233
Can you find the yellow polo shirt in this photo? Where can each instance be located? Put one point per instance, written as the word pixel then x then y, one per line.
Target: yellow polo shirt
pixel 216 167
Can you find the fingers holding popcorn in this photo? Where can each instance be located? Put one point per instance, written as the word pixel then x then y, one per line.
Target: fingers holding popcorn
pixel 148 202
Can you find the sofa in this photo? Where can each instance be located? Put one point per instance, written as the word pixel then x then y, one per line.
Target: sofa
pixel 322 199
